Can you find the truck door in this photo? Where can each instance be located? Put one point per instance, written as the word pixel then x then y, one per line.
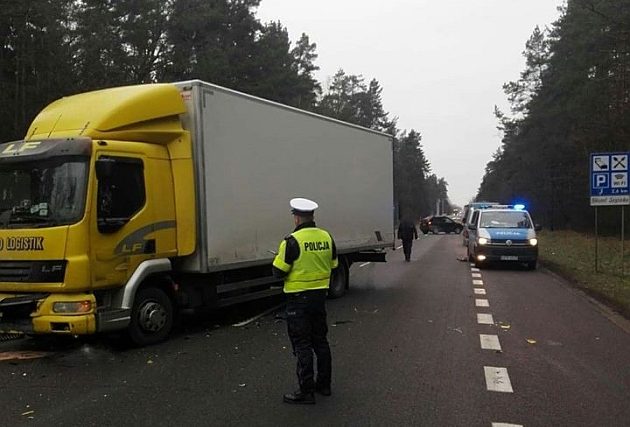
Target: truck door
pixel 120 211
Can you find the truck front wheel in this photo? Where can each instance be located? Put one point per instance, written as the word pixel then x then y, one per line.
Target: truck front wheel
pixel 151 317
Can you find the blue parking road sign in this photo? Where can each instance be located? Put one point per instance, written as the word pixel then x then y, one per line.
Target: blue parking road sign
pixel 609 179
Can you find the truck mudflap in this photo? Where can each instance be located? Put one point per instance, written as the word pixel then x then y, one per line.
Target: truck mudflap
pixel 71 314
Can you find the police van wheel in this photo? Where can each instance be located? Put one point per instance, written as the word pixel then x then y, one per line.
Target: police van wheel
pixel 339 281
pixel 151 317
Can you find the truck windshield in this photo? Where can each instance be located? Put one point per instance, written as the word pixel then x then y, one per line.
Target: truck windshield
pixel 42 193
pixel 506 219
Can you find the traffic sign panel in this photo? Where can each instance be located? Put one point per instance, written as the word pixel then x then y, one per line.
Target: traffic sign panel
pixel 609 179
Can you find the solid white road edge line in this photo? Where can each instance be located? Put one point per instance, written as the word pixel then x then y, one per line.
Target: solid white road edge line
pixel 485 319
pixel 489 342
pixel 482 303
pixel 497 379
pixel 479 291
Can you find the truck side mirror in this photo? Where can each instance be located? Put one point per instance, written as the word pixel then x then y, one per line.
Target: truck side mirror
pixel 104 168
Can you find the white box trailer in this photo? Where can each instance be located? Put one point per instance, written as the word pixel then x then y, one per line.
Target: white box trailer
pixel 252 156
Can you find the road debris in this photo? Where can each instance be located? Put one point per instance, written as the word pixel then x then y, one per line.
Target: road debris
pixel 341 322
pixel 22 355
pixel 28 413
pixel 531 340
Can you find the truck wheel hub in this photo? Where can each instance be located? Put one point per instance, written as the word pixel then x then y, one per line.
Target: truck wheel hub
pixel 152 317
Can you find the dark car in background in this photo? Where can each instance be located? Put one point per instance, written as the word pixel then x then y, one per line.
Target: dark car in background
pixel 440 224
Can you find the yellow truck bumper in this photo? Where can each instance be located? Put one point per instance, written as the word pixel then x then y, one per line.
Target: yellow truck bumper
pixel 41 314
pixel 73 325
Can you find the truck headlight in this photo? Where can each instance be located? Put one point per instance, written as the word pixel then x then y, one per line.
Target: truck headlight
pixel 72 307
pixel 483 241
pixel 533 242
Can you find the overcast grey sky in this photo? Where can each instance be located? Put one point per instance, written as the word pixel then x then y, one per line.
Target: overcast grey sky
pixel 441 63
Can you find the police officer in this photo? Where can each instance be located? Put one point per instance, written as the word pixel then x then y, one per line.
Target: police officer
pixel 305 260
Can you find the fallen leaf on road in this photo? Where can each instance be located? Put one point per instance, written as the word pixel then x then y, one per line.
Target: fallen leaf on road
pixel 242 385
pixel 28 413
pixel 504 325
pixel 531 340
pixel 149 362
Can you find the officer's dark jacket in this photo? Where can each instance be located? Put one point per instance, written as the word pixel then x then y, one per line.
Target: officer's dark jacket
pixel 407 231
pixel 305 259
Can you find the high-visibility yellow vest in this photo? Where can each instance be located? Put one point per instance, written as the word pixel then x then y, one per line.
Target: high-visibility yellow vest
pixel 312 269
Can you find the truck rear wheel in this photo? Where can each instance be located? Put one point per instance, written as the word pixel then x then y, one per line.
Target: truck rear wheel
pixel 151 317
pixel 339 280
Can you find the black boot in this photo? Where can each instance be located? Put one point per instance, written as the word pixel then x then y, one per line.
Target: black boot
pixel 323 390
pixel 299 398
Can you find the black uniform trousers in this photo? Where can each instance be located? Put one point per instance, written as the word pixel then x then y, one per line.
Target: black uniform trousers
pixel 306 322
pixel 407 244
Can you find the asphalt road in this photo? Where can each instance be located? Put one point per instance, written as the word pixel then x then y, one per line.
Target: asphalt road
pixel 407 350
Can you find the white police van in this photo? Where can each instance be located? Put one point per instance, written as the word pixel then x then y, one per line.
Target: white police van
pixel 502 233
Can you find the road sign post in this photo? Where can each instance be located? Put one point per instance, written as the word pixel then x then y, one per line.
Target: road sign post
pixel 610 187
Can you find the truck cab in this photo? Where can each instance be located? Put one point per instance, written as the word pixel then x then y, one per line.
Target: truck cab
pixel 502 234
pixel 89 212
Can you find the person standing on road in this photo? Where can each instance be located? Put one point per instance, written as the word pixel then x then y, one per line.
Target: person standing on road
pixel 407 232
pixel 305 261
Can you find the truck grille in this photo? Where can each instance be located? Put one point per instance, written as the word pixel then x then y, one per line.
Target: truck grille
pixel 32 271
pixel 15 271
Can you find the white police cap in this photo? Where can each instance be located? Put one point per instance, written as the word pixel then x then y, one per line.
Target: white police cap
pixel 301 206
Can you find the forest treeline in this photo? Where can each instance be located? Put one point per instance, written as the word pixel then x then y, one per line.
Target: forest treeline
pixel 54 48
pixel 572 99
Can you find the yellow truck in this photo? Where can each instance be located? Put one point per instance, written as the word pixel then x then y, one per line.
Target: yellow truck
pixel 125 206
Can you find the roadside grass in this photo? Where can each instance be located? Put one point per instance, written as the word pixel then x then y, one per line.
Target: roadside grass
pixel 572 255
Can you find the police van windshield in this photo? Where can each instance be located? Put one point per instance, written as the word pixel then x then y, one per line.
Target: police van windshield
pixel 504 219
pixel 42 193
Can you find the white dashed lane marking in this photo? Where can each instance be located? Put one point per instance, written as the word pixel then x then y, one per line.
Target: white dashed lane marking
pixel 489 342
pixel 476 274
pixel 482 303
pixel 506 425
pixel 474 269
pixel 478 282
pixel 497 379
pixel 479 291
pixel 485 319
